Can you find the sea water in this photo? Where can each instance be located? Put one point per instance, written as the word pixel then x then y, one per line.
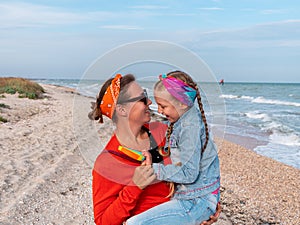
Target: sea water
pixel 266 116
pixel 268 112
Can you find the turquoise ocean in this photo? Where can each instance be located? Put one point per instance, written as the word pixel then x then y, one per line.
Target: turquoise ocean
pixel 264 117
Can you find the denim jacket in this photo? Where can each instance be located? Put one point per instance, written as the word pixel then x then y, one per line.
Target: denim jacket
pixel 195 173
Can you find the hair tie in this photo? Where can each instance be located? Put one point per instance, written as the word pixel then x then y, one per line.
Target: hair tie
pixel 162 76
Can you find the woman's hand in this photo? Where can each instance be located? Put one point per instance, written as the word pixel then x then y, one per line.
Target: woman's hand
pixel 215 217
pixel 143 176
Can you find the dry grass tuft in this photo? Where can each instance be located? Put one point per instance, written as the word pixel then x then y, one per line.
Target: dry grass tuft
pixel 25 88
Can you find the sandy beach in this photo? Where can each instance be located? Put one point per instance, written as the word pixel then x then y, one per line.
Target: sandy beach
pixel 48 146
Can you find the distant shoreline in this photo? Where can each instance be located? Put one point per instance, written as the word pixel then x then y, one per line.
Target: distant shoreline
pixel 225 82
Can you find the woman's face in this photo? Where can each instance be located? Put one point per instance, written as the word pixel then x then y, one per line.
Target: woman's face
pixel 138 111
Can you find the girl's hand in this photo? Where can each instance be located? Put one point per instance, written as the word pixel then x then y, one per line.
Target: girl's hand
pixel 148 160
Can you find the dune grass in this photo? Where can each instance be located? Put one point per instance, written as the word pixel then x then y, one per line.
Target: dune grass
pixel 3 120
pixel 25 88
pixel 2 105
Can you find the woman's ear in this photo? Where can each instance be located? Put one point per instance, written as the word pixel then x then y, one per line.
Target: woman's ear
pixel 121 110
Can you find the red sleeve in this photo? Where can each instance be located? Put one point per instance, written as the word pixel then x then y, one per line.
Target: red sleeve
pixel 112 201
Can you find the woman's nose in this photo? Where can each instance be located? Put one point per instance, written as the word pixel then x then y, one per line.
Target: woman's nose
pixel 149 102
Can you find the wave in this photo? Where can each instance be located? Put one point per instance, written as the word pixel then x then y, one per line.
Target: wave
pixel 236 97
pixel 289 155
pixel 279 132
pixel 260 100
pixel 89 89
pixel 291 139
pixel 256 115
pixel 275 102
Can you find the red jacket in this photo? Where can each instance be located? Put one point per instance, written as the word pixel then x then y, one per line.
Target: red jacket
pixel 115 197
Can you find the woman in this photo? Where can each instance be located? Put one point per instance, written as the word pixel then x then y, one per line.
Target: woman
pixel 123 186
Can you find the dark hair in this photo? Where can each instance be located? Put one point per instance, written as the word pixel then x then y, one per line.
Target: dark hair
pixel 96 113
pixel 189 81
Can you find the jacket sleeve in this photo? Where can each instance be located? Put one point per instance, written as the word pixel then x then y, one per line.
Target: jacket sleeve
pixel 188 150
pixel 112 201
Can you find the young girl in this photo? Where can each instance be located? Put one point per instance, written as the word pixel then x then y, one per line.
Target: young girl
pixel 195 168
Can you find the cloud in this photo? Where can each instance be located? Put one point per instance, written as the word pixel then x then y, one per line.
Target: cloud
pixel 121 27
pixel 24 14
pixel 179 14
pixel 268 35
pixel 149 7
pixel 272 11
pixel 21 15
pixel 212 9
pixel 248 10
pixel 290 43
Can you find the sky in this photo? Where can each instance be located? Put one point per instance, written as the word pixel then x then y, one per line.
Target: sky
pixel 239 40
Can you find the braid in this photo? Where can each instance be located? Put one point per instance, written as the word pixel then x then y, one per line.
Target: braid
pixel 169 132
pixel 203 118
pixel 171 189
pixel 171 184
pixel 189 81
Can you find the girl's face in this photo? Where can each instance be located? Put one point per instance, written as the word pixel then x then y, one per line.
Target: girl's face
pixel 168 107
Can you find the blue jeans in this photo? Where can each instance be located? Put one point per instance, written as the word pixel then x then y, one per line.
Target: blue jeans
pixel 178 212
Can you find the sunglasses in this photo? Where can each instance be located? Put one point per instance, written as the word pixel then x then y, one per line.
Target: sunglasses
pixel 142 98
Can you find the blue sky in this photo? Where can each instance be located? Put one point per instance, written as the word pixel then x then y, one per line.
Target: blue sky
pixel 244 40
